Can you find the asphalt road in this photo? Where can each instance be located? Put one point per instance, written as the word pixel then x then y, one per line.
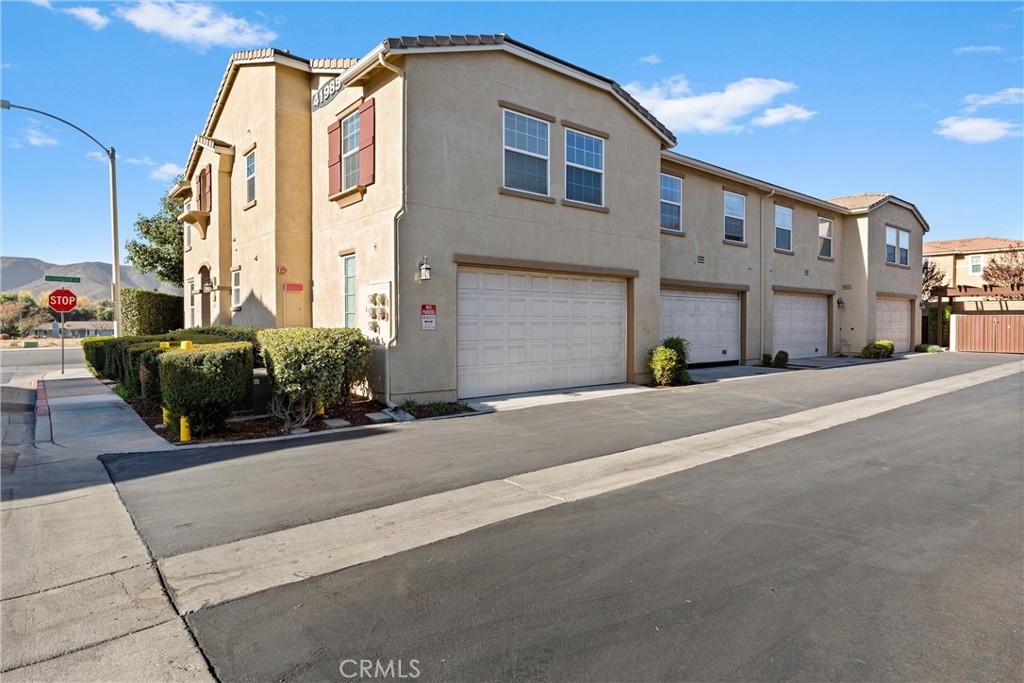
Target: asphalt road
pixel 888 548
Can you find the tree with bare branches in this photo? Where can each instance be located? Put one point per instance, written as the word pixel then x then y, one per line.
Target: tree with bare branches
pixel 1006 269
pixel 931 276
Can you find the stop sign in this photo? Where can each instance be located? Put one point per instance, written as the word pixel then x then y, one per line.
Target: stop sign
pixel 63 300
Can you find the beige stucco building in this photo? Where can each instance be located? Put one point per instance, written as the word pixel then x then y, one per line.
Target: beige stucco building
pixel 498 220
pixel 963 262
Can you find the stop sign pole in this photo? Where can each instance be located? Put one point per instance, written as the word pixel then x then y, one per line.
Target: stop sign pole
pixel 62 301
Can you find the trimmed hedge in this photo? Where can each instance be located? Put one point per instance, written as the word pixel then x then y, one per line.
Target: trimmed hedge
pixel 206 382
pixel 882 348
pixel 933 324
pixel 308 366
pixel 144 312
pixel 927 348
pixel 116 366
pixel 234 333
pixel 94 350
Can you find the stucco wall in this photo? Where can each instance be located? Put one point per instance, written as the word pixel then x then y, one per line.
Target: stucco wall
pixel 455 172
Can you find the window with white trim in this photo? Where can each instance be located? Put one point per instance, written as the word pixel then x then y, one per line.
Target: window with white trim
pixel 584 168
pixel 735 216
pixel 250 177
pixel 977 264
pixel 783 228
pixel 526 148
pixel 192 304
pixel 350 151
pixel 824 237
pixel 186 230
pixel 348 265
pixel 897 246
pixel 236 289
pixel 671 202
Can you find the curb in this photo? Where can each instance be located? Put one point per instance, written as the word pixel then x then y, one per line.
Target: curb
pixel 42 404
pixel 43 432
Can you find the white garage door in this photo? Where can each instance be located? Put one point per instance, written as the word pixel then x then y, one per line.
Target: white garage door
pixel 709 322
pixel 534 331
pixel 801 325
pixel 892 322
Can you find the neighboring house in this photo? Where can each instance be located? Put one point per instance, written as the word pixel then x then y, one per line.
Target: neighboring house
pixel 76 329
pixel 498 220
pixel 963 261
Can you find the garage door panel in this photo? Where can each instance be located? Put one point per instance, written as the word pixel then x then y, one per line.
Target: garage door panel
pixel 892 322
pixel 710 322
pixel 801 325
pixel 533 331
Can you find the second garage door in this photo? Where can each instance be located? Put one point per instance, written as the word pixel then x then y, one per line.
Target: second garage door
pixel 801 325
pixel 710 322
pixel 523 331
pixel 892 322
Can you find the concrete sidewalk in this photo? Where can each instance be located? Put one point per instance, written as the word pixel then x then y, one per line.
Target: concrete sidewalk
pixel 81 599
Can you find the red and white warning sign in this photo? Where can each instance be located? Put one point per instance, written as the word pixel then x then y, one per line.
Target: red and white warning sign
pixel 428 317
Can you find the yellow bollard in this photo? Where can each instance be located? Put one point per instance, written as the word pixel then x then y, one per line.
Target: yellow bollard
pixel 185 433
pixel 319 408
pixel 167 415
pixel 186 344
pixel 165 345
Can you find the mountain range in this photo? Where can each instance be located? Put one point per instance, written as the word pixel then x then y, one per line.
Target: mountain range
pixel 20 274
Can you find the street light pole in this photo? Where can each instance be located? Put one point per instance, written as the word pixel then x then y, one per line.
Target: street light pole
pixel 112 157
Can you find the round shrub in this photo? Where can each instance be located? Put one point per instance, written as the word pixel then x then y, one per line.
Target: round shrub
pixel 662 362
pixel 878 349
pixel 766 360
pixel 205 383
pixel 781 360
pixel 308 366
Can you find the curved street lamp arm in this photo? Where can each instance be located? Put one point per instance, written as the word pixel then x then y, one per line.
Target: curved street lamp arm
pixel 108 150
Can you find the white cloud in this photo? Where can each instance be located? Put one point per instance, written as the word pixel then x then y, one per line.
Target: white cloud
pixel 90 16
pixel 673 102
pixel 976 130
pixel 651 59
pixel 197 24
pixel 1004 96
pixel 974 49
pixel 42 3
pixel 98 156
pixel 778 115
pixel 139 161
pixel 37 138
pixel 166 171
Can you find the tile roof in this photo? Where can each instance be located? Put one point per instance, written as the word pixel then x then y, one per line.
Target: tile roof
pixel 331 63
pixel 864 200
pixel 971 244
pixel 413 42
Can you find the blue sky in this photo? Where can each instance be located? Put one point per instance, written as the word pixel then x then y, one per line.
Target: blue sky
pixel 923 100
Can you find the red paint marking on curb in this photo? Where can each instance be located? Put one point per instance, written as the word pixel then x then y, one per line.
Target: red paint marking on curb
pixel 42 405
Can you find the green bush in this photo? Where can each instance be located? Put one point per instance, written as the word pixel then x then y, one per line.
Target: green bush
pixel 882 348
pixel 144 312
pixel 682 349
pixel 234 333
pixel 116 364
pixel 766 360
pixel 132 361
pixel 781 360
pixel 927 348
pixel 933 324
pixel 310 366
pixel 149 374
pixel 94 350
pixel 206 382
pixel 662 362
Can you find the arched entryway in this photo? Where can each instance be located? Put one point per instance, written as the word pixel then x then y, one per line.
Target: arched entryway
pixel 205 288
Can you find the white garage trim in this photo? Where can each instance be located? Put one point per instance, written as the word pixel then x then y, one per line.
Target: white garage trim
pixel 894 321
pixel 712 323
pixel 801 324
pixel 530 331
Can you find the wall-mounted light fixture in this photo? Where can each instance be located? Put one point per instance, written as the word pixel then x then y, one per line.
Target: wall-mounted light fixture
pixel 207 287
pixel 424 269
pixel 923 303
pixel 839 302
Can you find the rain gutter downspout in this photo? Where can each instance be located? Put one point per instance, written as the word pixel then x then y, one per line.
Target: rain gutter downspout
pixel 397 219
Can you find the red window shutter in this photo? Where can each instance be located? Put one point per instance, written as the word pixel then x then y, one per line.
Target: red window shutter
pixel 197 195
pixel 366 143
pixel 334 158
pixel 208 188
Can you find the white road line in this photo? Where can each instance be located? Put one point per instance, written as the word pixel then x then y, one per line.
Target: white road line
pixel 218 574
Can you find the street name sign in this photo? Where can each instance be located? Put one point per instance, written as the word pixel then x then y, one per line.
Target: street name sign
pixel 61 278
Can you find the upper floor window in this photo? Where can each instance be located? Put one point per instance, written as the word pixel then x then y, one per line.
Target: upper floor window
pixel 527 150
pixel 191 304
pixel 897 246
pixel 350 151
pixel 186 229
pixel 735 216
pixel 348 264
pixel 824 237
pixel 236 289
pixel 250 177
pixel 584 168
pixel 977 264
pixel 671 203
pixel 202 195
pixel 783 228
